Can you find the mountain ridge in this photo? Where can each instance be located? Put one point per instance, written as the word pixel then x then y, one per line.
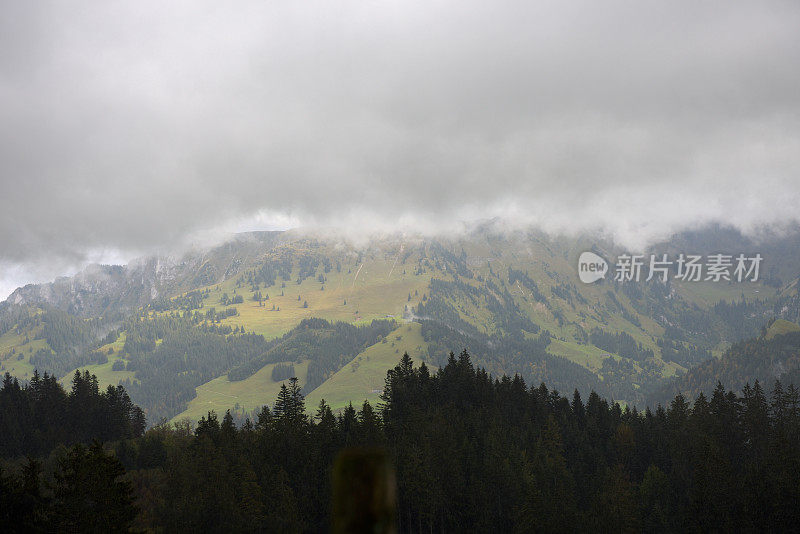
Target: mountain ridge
pixel 512 298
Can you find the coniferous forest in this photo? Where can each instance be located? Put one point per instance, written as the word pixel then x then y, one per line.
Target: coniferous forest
pixel 470 452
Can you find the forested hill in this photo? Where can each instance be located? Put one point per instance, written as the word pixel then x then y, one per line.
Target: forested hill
pixel 774 355
pixel 472 453
pixel 216 329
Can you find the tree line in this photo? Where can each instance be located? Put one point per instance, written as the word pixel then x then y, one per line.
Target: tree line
pixel 475 453
pixel 38 416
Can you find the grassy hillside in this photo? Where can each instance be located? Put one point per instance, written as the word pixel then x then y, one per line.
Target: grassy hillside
pixel 588 356
pixel 363 378
pixel 16 350
pixel 500 285
pixel 373 295
pixel 781 327
pixel 246 395
pixel 106 376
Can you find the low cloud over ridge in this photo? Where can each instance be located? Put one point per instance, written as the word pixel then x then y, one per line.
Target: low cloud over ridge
pixel 138 127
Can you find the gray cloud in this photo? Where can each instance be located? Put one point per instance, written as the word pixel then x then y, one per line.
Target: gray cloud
pixel 135 126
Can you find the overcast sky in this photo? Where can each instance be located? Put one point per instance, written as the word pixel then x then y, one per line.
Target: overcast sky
pixel 132 128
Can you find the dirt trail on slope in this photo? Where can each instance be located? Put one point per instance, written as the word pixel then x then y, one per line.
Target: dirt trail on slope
pixel 395 261
pixel 356 276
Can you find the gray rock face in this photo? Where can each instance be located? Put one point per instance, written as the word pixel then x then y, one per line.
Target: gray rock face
pixel 99 289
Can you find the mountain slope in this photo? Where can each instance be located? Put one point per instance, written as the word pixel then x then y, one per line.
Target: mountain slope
pixel 775 355
pixel 513 299
pixel 100 289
